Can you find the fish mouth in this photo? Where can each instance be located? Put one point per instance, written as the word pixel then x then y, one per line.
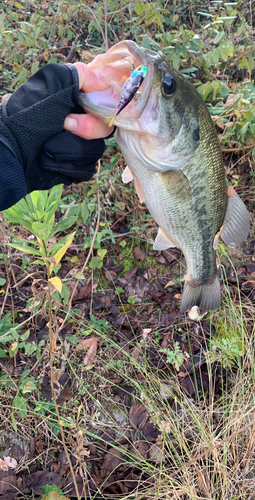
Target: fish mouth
pixel 114 68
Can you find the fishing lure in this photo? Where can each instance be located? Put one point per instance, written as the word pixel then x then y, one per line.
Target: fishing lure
pixel 129 89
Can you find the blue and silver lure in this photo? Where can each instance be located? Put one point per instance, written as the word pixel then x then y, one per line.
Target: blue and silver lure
pixel 129 89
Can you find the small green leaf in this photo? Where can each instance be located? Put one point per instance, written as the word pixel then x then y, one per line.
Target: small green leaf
pixel 96 262
pixel 139 8
pixel 101 253
pixel 79 276
pixel 25 335
pixel 14 423
pixel 2 281
pixel 25 249
pixel 13 349
pixel 84 213
pixel 2 353
pixel 64 224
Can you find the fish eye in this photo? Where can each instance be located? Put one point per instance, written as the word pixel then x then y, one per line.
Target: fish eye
pixel 169 85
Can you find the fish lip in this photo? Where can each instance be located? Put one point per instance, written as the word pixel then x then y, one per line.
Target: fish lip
pixel 144 57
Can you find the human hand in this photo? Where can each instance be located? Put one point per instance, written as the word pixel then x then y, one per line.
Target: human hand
pixel 87 126
pixel 31 125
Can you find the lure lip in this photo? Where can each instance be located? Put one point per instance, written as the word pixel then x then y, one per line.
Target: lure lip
pixel 122 50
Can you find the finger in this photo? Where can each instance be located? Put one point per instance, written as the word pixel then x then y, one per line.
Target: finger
pixel 87 126
pixel 88 80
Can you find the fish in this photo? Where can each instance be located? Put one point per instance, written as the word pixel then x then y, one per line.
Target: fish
pixel 173 154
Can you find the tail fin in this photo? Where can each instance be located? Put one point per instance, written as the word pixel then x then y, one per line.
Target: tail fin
pixel 207 296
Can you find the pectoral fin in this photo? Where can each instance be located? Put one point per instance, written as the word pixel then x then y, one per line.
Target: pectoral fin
pixel 236 223
pixel 127 175
pixel 162 242
pixel 138 189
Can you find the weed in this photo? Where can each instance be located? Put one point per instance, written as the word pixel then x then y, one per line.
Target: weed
pixel 173 357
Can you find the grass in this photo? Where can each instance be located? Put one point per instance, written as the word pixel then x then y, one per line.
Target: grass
pixel 205 443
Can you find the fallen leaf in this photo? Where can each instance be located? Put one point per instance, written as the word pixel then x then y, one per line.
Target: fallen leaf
pixel 41 478
pixel 139 254
pixel 135 352
pixel 3 465
pixel 91 354
pixel 170 283
pixel 129 274
pixel 138 415
pixel 140 448
pixel 156 454
pixel 112 460
pixel 84 291
pixel 11 462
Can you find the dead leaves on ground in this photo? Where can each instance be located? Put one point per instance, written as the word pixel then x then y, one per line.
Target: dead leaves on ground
pixel 91 344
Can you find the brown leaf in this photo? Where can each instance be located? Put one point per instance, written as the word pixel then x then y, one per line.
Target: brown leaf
pixel 84 292
pixel 156 454
pixel 41 478
pixel 129 274
pixel 64 395
pixel 110 275
pixel 3 465
pixel 138 415
pixel 8 483
pixel 39 447
pixel 11 462
pixel 111 461
pixel 139 254
pixel 135 352
pixel 90 343
pixel 140 448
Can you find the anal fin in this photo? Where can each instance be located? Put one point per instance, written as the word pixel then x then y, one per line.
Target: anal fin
pixel 236 223
pixel 127 175
pixel 162 242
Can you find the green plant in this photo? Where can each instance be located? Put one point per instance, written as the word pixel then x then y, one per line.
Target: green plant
pixel 19 404
pixel 36 213
pixel 173 357
pixel 52 492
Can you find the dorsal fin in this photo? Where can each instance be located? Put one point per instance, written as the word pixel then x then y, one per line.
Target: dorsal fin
pixel 162 242
pixel 236 223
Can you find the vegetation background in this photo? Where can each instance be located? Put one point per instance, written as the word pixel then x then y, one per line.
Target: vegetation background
pixel 107 390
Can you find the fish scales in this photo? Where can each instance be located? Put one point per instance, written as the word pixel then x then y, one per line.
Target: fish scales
pixel 171 147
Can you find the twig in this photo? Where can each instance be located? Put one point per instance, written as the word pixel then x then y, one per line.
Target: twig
pixel 5 297
pixel 71 52
pixel 105 26
pixel 89 254
pixel 230 150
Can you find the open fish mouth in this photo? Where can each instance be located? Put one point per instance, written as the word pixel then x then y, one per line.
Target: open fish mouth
pixel 114 68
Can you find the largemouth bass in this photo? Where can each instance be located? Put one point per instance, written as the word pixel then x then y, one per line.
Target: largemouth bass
pixel 171 147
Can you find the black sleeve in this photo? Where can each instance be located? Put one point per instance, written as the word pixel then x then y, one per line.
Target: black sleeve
pixel 12 179
pixel 31 126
